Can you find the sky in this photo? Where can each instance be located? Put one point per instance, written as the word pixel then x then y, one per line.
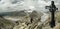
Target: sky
pixel 18 5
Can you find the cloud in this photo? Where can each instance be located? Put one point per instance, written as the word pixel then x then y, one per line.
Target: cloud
pixel 17 5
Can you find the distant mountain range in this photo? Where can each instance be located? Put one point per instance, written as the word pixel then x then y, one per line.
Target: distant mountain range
pixel 15 13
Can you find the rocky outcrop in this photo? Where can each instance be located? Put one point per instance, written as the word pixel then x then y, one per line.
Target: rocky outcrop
pixel 33 21
pixel 6 24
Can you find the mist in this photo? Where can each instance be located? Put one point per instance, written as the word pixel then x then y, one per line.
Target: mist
pixel 18 5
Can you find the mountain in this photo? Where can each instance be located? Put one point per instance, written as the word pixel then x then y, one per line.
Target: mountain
pixel 34 14
pixel 15 13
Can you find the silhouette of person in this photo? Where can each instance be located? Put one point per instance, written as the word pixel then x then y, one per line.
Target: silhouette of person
pixel 52 10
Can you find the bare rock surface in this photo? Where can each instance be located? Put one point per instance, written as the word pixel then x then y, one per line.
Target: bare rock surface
pixel 18 22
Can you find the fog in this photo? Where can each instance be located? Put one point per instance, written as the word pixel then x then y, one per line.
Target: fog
pixel 18 5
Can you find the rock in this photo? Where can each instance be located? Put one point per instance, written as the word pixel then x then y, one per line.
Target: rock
pixel 57 26
pixel 6 24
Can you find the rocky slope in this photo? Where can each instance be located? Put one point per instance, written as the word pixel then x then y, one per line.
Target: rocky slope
pixel 33 21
